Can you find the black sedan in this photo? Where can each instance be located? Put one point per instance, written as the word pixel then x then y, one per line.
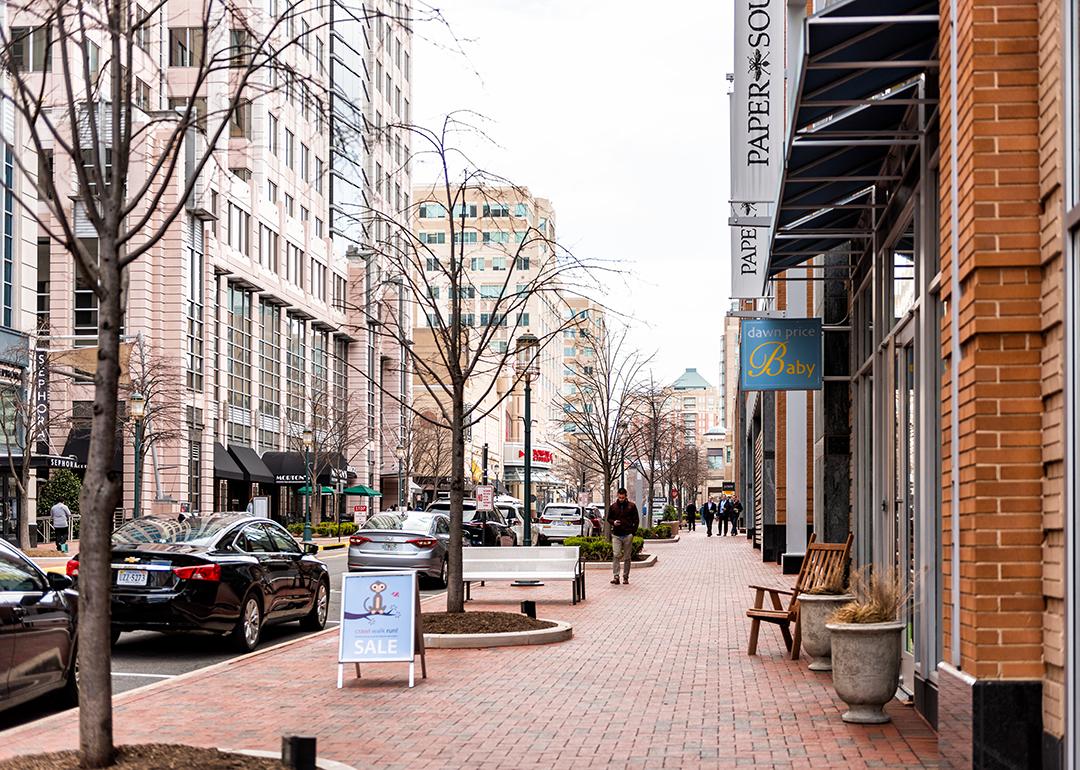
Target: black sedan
pixel 229 573
pixel 479 528
pixel 38 617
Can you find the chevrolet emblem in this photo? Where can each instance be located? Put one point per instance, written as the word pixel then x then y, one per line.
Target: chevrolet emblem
pixel 131 560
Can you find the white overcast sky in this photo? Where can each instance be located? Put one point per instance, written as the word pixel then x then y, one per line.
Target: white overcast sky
pixel 616 112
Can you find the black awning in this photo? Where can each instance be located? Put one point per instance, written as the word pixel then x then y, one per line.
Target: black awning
pixel 251 464
pixel 332 469
pixel 287 467
pixel 862 90
pixel 76 452
pixel 225 466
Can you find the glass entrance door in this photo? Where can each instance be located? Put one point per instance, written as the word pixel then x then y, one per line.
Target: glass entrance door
pixel 903 491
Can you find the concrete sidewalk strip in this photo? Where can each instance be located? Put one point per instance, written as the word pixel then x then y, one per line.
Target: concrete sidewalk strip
pixel 656 675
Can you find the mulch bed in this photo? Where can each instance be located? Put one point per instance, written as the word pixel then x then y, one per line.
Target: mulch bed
pixel 149 756
pixel 636 557
pixel 477 623
pixel 46 553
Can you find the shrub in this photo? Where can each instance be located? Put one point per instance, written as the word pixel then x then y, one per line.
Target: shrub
pixel 659 532
pixel 878 598
pixel 324 528
pixel 670 514
pixel 599 548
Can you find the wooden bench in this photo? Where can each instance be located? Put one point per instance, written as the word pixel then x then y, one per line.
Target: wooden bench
pixel 524 563
pixel 823 562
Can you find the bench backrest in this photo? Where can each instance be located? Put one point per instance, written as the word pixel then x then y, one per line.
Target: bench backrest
pixel 567 554
pixel 823 563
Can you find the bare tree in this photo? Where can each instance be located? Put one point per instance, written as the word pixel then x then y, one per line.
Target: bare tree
pixel 429 449
pixel 463 347
pixel 599 412
pixel 115 167
pixel 652 419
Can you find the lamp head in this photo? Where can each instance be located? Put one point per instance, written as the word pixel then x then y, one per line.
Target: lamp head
pixel 308 438
pixel 137 405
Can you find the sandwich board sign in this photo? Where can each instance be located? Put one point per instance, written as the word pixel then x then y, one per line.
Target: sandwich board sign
pixel 380 621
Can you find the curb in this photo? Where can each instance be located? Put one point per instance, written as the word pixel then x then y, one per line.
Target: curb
pixel 663 541
pixel 560 633
pixel 333 546
pixel 650 562
pixel 322 764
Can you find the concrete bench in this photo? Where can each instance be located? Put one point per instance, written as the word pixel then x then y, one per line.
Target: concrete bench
pixel 550 563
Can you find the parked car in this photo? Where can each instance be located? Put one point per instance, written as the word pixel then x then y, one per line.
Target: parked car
pixel 562 520
pixel 514 513
pixel 38 622
pixel 596 518
pixel 227 573
pixel 481 528
pixel 391 541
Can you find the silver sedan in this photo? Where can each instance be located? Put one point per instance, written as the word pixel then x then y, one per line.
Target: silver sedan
pixel 411 540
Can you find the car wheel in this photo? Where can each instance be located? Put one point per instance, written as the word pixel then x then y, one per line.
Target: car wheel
pixel 245 636
pixel 444 573
pixel 316 619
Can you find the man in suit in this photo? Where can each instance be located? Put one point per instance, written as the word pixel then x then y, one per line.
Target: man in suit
pixel 708 513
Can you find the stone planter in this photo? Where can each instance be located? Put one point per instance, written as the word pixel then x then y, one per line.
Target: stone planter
pixel 814 613
pixel 866 668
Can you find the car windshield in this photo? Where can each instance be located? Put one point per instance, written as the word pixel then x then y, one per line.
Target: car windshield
pixel 562 511
pixel 193 529
pixel 414 522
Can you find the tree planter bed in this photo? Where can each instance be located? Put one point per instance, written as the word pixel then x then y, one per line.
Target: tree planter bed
pixel 558 631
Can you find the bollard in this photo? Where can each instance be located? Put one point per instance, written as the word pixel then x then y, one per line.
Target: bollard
pixel 529 608
pixel 298 752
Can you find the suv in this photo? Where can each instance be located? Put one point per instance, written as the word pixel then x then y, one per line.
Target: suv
pixel 514 513
pixel 562 520
pixel 37 632
pixel 480 527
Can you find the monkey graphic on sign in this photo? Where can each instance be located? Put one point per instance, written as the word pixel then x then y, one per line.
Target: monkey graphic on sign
pixel 376 607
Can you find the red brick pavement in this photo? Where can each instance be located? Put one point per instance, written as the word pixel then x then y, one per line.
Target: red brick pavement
pixel 656 676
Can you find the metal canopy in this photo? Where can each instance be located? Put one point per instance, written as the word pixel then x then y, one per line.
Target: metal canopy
pixel 864 70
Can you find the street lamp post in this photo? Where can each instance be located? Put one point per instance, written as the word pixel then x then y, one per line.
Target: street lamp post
pixel 528 367
pixel 400 452
pixel 137 409
pixel 308 441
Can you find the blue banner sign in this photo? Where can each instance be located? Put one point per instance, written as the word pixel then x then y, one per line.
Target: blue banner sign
pixel 378 617
pixel 780 354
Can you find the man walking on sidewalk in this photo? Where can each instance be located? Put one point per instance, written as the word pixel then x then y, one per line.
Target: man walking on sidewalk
pixel 623 520
pixel 61 520
pixel 691 517
pixel 708 513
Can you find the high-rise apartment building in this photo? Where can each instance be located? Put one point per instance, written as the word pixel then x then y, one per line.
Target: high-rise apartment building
pixel 504 239
pixel 246 312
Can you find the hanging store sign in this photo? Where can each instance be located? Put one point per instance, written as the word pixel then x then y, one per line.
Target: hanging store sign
pixel 777 354
pixel 757 139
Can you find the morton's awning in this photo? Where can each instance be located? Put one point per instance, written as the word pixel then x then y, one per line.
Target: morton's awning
pixel 866 85
pixel 287 467
pixel 252 464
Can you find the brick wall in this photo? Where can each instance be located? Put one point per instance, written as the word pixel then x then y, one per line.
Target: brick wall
pixel 1001 339
pixel 1053 449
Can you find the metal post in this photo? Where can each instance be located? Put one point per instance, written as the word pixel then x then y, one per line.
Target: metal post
pixel 401 392
pixel 137 509
pixel 307 500
pixel 528 461
pixel 484 460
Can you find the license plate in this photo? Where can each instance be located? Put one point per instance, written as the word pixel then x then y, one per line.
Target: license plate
pixel 131 577
pixel 390 546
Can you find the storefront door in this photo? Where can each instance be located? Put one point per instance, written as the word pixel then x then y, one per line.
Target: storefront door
pixel 903 489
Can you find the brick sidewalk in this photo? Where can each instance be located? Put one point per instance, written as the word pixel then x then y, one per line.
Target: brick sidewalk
pixel 656 676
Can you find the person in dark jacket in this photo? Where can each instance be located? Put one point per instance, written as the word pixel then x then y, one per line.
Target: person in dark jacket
pixel 727 521
pixel 691 516
pixel 736 512
pixel 622 517
pixel 708 513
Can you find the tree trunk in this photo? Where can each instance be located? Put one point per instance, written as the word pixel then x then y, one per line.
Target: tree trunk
pixel 99 497
pixel 23 533
pixel 455 589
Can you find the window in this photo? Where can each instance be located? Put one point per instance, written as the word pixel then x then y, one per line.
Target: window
pixel 290 205
pixel 240 122
pixel 31 49
pixel 496 210
pixel 254 539
pixel 142 95
pixel 523 319
pixel 86 302
pixel 271 192
pixel 193 353
pixel 521 263
pixel 465 292
pixel 269 374
pixel 432 211
pixel 16 576
pixel 433 264
pixel 318 228
pixel 304 214
pixel 464 210
pixel 194 427
pixel 496 237
pixel 318 280
pixel 238 363
pixel 272 135
pixel 239 234
pixel 294 265
pixel 439 237
pixel 142 27
pixel 341 290
pixel 521 210
pixel 295 356
pixel 305 162
pixel 433 292
pixel 498 263
pixel 185 46
pixel 239 48
pixel 490 291
pixel 290 148
pixel 469 237
pixel 318 175
pixel 268 248
pixel 478 264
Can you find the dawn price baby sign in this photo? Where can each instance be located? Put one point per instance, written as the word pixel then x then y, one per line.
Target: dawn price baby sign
pixel 380 621
pixel 780 354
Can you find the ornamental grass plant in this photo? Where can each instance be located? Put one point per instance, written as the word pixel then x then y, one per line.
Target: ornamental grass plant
pixel 878 598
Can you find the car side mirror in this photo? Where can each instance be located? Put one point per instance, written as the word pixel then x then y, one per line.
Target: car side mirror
pixel 58 582
pixel 311 549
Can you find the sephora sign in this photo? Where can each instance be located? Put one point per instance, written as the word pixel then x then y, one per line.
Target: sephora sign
pixel 757 139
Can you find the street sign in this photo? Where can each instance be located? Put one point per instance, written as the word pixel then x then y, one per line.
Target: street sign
pixel 485 498
pixel 584 498
pixel 380 621
pixel 357 508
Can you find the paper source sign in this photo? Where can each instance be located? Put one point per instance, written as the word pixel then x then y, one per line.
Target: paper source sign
pixel 780 354
pixel 757 139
